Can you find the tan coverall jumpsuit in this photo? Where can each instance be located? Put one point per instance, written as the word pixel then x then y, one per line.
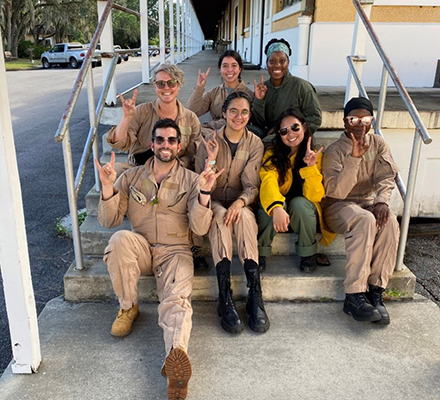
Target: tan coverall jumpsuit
pixel 138 138
pixel 158 244
pixel 201 102
pixel 240 180
pixel 353 186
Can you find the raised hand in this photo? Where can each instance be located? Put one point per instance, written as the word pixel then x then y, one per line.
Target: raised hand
pixel 311 156
pixel 260 89
pixel 203 78
pixel 129 105
pixel 211 146
pixel 107 173
pixel 281 219
pixel 208 177
pixel 360 146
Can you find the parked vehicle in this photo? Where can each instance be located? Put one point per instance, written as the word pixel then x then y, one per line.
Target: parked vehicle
pixel 121 56
pixel 65 54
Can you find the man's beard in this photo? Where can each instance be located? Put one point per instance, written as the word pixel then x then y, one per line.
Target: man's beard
pixel 159 156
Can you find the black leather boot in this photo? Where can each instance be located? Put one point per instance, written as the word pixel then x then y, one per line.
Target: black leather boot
pixel 375 296
pixel 199 261
pixel 229 318
pixel 357 305
pixel 258 320
pixel 262 263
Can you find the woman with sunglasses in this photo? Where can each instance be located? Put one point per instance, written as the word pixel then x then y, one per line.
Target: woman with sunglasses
pixel 230 65
pixel 291 191
pixel 133 133
pixel 283 91
pixel 237 152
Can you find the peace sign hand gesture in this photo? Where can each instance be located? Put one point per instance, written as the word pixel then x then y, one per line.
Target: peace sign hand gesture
pixel 129 105
pixel 203 78
pixel 311 156
pixel 260 89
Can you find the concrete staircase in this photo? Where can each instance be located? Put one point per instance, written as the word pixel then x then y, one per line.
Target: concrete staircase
pixel 282 280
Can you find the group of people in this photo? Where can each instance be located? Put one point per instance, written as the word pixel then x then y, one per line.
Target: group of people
pixel 183 180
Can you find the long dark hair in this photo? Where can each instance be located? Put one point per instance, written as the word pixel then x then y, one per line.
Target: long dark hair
pixel 280 157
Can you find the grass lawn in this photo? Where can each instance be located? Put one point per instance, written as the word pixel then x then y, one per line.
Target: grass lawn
pixel 22 63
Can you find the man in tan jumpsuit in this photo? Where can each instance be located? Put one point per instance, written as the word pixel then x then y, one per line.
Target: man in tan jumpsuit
pixel 163 201
pixel 359 174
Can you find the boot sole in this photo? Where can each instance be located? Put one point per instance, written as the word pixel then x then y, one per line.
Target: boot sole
pixel 229 328
pixel 178 371
pixel 259 329
pixel 373 318
pixel 125 333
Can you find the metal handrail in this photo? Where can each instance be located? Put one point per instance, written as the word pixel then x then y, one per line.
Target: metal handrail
pixel 420 131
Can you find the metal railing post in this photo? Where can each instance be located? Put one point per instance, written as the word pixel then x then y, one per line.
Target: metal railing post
pixel 404 224
pixel 382 97
pixel 71 194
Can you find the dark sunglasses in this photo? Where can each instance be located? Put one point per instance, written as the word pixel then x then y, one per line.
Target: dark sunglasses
pixel 172 140
pixel 285 130
pixel 172 83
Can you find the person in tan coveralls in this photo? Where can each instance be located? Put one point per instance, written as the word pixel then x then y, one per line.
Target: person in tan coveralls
pixel 239 152
pixel 359 174
pixel 133 133
pixel 230 65
pixel 163 201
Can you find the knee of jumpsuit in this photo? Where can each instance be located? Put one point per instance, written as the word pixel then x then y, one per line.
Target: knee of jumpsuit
pixel 363 223
pixel 122 248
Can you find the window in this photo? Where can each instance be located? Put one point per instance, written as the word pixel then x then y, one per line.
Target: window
pixel 288 3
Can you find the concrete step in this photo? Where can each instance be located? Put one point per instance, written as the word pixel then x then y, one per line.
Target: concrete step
pixel 281 281
pixel 94 239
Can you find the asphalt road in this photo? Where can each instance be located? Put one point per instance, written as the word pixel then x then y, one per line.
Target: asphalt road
pixel 38 99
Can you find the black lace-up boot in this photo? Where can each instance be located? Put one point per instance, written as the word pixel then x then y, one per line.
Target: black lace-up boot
pixel 375 296
pixel 357 305
pixel 229 318
pixel 258 320
pixel 199 261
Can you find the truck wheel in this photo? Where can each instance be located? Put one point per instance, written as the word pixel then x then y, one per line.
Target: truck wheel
pixel 73 63
pixel 46 63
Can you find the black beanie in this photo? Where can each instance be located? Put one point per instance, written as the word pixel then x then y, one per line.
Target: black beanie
pixel 357 103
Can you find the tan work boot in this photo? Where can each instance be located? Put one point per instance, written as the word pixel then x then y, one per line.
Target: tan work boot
pixel 178 372
pixel 123 322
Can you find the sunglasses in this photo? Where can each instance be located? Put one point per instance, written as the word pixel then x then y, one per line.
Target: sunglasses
pixel 285 130
pixel 354 120
pixel 172 140
pixel 172 83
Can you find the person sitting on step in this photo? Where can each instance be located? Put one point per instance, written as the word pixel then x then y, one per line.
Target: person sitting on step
pixel 359 174
pixel 163 201
pixel 238 151
pixel 291 190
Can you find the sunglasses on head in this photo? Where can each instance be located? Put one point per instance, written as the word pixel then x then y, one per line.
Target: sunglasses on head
pixel 172 83
pixel 172 140
pixel 285 130
pixel 354 120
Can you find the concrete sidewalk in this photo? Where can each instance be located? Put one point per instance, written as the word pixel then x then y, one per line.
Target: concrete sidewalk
pixel 312 351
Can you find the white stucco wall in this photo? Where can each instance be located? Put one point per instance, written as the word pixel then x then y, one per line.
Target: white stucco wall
pixel 412 54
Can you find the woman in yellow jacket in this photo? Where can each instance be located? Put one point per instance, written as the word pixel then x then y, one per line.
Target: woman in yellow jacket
pixel 291 190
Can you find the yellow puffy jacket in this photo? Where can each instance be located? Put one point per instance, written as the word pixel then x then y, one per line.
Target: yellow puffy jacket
pixel 272 195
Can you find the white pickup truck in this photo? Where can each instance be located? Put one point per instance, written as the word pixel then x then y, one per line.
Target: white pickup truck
pixel 65 54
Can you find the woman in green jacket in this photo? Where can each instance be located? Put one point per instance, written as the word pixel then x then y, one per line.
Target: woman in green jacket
pixel 291 191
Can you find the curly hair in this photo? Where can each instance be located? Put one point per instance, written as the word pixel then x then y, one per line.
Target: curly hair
pixel 277 41
pixel 172 70
pixel 280 157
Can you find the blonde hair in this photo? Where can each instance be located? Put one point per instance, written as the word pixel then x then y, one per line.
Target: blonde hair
pixel 172 70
